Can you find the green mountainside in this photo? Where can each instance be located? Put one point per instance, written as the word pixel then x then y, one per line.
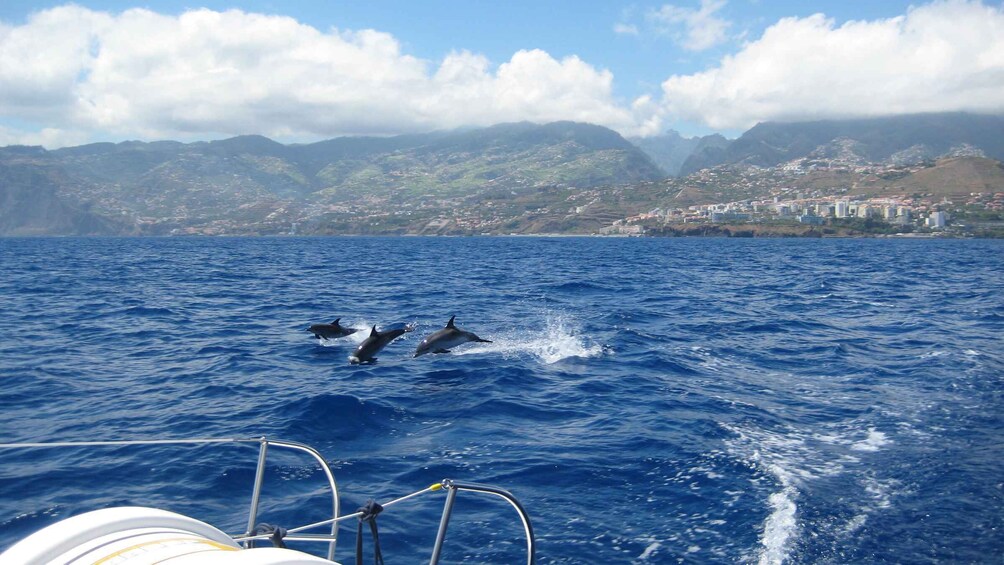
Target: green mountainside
pixel 251 184
pixel 561 177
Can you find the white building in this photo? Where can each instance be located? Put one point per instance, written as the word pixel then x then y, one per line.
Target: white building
pixel 936 220
pixel 825 210
pixel 841 209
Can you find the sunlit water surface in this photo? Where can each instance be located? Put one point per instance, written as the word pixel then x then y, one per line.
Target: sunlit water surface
pixel 648 400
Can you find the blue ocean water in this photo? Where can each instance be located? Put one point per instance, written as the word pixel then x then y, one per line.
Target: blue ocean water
pixel 648 400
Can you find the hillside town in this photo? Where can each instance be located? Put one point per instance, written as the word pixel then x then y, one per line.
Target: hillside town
pixel 902 211
pixel 788 203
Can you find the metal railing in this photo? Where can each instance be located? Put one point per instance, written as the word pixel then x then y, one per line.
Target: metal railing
pixel 298 534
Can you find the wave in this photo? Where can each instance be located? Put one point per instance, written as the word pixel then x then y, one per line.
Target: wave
pixel 335 415
pixel 580 287
pixel 723 410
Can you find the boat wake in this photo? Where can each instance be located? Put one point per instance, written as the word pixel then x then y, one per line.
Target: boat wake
pixel 796 463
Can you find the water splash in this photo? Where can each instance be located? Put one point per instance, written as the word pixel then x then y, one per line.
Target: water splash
pixel 558 340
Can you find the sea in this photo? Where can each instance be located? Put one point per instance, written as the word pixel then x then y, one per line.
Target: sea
pixel 647 400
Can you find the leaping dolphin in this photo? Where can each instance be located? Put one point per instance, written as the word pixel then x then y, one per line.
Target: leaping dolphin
pixel 442 340
pixel 375 342
pixel 330 331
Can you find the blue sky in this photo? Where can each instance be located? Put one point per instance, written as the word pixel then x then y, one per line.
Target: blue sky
pixel 696 66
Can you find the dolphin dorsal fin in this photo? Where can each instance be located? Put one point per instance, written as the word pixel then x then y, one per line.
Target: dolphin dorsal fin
pixel 450 323
pixel 373 332
pixel 335 323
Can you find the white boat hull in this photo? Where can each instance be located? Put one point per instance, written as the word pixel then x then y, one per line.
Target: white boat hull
pixel 141 536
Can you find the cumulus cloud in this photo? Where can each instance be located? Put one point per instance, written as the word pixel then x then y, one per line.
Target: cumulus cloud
pixel 144 74
pixel 702 28
pixel 944 56
pixel 71 74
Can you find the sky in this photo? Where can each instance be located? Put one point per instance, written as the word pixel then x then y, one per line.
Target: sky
pixel 108 70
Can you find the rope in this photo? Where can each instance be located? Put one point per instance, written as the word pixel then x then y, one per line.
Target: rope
pixel 369 514
pixel 277 533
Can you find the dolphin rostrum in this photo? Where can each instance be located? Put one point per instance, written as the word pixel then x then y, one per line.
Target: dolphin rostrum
pixel 442 340
pixel 330 331
pixel 375 342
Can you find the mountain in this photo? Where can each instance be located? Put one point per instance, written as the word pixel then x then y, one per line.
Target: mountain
pixel 671 150
pixel 255 185
pixel 30 204
pixel 510 178
pixel 893 140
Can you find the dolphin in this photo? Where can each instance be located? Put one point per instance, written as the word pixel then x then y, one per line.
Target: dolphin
pixel 330 331
pixel 375 342
pixel 442 340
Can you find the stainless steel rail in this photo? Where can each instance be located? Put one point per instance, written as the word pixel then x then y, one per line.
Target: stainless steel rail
pixel 453 487
pixel 296 534
pixel 263 443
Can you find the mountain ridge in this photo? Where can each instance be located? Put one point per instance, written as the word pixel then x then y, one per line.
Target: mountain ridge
pixel 770 144
pixel 517 177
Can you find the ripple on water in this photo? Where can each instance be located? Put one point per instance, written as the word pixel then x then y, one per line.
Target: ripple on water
pixel 723 400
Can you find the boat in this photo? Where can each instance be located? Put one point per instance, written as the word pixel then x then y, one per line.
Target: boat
pixel 136 535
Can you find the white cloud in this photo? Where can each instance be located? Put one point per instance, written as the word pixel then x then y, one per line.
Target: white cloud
pixel 702 28
pixel 944 56
pixel 47 137
pixel 143 74
pixel 626 29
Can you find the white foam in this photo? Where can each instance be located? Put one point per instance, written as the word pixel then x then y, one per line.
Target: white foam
pixel 557 341
pixel 855 524
pixel 779 527
pixel 875 441
pixel 776 455
pixel 797 457
pixel 880 491
pixel 652 548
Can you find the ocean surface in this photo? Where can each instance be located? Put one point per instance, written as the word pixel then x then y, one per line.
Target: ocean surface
pixel 648 400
